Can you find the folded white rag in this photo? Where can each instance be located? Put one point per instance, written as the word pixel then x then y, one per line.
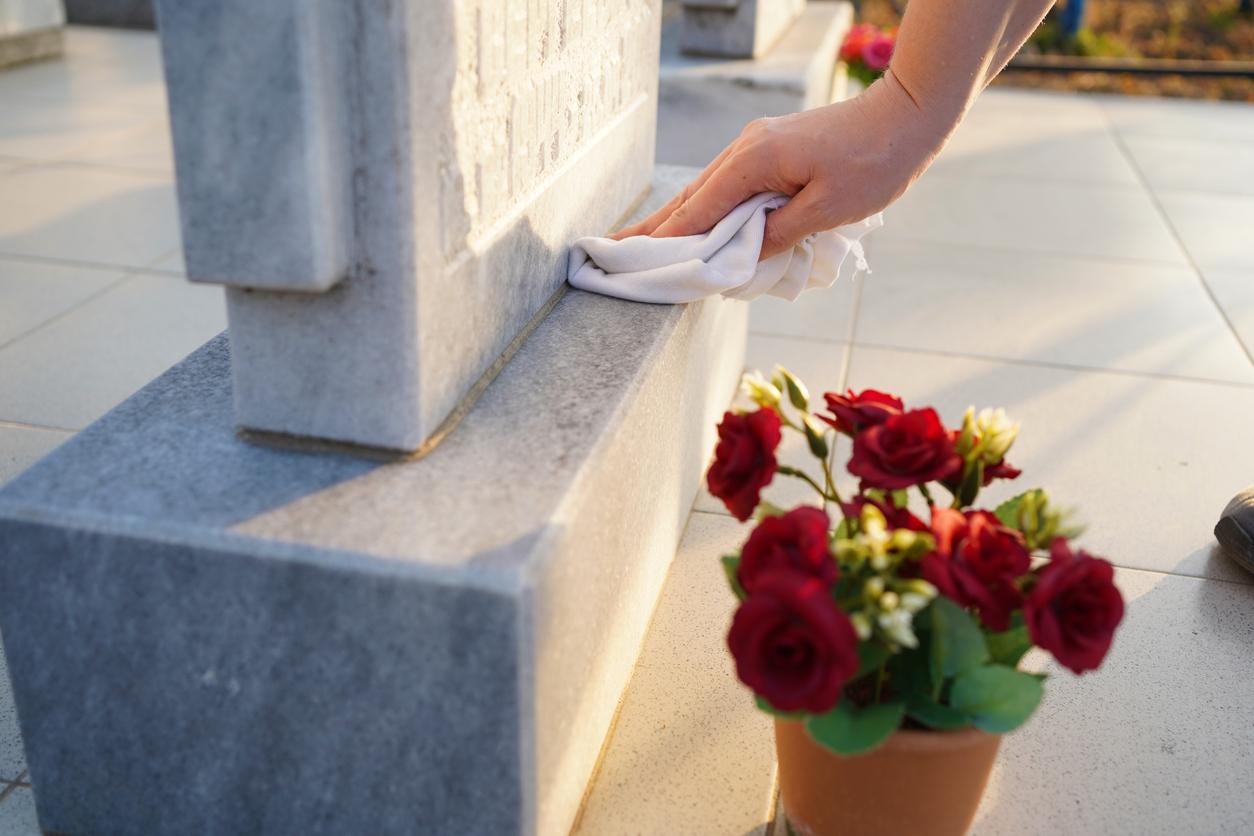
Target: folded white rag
pixel 723 260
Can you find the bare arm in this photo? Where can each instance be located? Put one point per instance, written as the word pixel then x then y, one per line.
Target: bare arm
pixel 851 159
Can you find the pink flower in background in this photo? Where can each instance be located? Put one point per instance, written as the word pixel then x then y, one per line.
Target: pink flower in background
pixel 878 53
pixel 859 37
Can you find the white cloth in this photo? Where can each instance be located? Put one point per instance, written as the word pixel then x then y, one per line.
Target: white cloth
pixel 723 260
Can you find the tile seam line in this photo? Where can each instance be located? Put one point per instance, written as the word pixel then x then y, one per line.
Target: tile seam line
pixel 1200 578
pixel 1035 253
pixel 989 358
pixel 10 424
pixel 97 265
pixel 1188 255
pixel 118 282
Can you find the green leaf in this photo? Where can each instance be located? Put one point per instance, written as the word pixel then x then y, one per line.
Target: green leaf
pixel 797 393
pixel 767 509
pixel 997 698
pixel 814 436
pixel 932 714
pixel 731 565
pixel 847 730
pixel 901 498
pixel 871 657
pixel 972 482
pixel 1008 511
pixel 844 530
pixel 957 641
pixel 1007 648
pixel 763 705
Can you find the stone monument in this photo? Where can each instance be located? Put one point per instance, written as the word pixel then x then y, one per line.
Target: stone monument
pixel 30 30
pixel 238 603
pixel 736 28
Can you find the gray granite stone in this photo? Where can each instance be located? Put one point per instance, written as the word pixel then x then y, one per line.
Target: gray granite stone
pixel 736 28
pixel 211 636
pixel 30 30
pixel 704 103
pixel 481 139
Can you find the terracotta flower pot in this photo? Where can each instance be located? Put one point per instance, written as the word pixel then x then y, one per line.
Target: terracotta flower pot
pixel 924 783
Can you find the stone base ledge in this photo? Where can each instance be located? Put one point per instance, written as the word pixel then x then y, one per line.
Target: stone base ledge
pixel 34 45
pixel 210 636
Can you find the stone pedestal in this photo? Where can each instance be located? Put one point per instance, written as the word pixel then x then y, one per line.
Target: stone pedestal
pixel 30 30
pixel 736 28
pixel 387 189
pixel 703 103
pixel 210 636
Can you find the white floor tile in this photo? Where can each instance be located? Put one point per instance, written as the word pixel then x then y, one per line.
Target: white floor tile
pixel 825 314
pixel 75 369
pixel 1148 462
pixel 1157 741
pixel 1234 289
pixel 33 292
pixel 146 146
pixel 820 366
pixel 1217 230
pixel 20 447
pixel 96 216
pixel 1057 138
pixel 1180 118
pixel 1104 314
pixel 690 752
pixel 49 129
pixel 1033 216
pixel 1194 164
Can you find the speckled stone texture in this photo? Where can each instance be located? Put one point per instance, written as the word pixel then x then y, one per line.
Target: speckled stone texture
pixel 736 28
pixel 208 636
pixel 703 103
pixel 387 189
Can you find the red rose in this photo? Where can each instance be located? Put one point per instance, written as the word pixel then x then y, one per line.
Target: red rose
pixel 976 563
pixel 1074 608
pixel 904 450
pixel 796 541
pixel 878 53
pixel 895 517
pixel 858 37
pixel 792 644
pixel 744 460
pixel 854 413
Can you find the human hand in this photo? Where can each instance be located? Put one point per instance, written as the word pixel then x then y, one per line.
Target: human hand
pixel 839 164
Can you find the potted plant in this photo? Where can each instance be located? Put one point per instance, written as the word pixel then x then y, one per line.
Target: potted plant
pixel 885 642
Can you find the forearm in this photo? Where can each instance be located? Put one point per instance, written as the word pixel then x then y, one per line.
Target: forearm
pixel 948 50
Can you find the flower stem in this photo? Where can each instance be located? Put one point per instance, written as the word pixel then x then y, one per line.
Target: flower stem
pixel 792 471
pixel 927 494
pixel 831 485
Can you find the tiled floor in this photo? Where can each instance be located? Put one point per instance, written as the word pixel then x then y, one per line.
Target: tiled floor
pixel 1084 262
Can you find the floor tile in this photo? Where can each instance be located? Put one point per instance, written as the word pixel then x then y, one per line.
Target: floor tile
pixel 689 753
pixel 825 314
pixel 98 216
pixel 1120 315
pixel 820 366
pixel 1056 138
pixel 146 146
pixel 1234 290
pixel 34 292
pixel 1157 741
pixel 1194 164
pixel 1217 230
pixel 1148 462
pixel 17 814
pixel 1180 118
pixel 20 447
pixel 12 758
pixel 73 370
pixel 48 129
pixel 1033 216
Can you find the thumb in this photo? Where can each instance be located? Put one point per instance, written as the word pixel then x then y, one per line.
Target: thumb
pixel 787 225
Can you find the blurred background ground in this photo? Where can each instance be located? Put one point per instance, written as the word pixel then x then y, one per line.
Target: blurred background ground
pixel 1207 30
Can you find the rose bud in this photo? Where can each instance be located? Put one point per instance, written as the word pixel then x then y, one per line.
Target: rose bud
pixel 853 413
pixel 1074 608
pixel 894 517
pixel 906 449
pixel 796 541
pixel 744 460
pixel 792 644
pixel 976 564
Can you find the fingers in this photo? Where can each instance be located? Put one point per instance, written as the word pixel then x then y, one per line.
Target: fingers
pixel 787 225
pixel 736 179
pixel 654 220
